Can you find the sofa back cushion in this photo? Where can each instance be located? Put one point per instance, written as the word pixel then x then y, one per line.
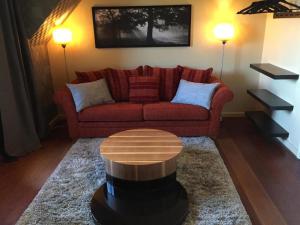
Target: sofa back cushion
pixel 144 89
pixel 169 80
pixel 119 82
pixel 195 75
pixel 84 77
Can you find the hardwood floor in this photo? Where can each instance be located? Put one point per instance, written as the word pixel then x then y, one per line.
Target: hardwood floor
pixel 275 168
pixel 266 175
pixel 20 180
pixel 255 199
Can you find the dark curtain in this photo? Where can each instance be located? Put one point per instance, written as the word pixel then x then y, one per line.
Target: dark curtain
pixel 2 152
pixel 17 93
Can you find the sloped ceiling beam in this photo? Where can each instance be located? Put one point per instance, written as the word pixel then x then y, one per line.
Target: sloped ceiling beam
pixel 35 13
pixel 40 17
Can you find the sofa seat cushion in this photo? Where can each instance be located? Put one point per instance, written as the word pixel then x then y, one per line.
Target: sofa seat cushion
pixel 115 112
pixel 166 111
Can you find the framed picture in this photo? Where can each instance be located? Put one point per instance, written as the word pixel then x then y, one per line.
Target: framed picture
pixel 142 26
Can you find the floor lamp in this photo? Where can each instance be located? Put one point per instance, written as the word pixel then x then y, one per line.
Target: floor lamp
pixel 224 32
pixel 63 36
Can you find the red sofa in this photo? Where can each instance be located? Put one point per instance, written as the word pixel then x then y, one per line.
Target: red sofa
pixel 180 119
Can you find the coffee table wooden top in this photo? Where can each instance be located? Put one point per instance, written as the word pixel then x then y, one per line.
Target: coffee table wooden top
pixel 141 154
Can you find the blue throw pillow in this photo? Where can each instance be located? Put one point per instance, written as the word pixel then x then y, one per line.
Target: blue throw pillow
pixel 195 93
pixel 89 94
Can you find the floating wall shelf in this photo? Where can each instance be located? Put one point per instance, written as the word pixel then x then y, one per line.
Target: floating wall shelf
pixel 270 100
pixel 262 120
pixel 274 72
pixel 266 124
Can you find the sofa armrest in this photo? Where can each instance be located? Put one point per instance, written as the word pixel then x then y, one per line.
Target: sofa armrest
pixel 222 95
pixel 64 99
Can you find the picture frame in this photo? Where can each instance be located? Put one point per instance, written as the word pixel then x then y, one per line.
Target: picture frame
pixel 142 26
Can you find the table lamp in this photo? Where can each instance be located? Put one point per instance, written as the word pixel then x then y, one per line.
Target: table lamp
pixel 224 32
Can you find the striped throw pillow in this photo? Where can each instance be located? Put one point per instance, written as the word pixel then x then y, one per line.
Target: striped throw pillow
pixel 144 89
pixel 195 75
pixel 119 82
pixel 169 80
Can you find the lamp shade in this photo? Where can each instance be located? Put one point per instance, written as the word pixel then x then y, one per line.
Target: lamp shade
pixel 62 36
pixel 224 32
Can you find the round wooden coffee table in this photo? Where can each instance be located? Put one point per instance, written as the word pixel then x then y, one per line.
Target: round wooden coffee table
pixel 141 185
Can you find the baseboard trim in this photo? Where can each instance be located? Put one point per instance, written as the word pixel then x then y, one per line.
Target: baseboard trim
pixel 233 114
pixel 289 146
pixel 58 118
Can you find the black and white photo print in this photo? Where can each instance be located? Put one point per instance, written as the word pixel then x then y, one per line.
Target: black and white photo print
pixel 142 26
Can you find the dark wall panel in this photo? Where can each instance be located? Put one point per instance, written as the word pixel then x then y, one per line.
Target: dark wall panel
pixel 39 18
pixel 35 13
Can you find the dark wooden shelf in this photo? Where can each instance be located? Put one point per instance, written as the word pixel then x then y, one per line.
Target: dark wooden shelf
pixel 270 100
pixel 274 72
pixel 266 124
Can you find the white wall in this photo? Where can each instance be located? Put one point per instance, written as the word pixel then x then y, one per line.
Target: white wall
pixel 282 48
pixel 204 52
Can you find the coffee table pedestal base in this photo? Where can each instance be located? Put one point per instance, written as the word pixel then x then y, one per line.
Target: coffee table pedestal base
pixel 120 202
